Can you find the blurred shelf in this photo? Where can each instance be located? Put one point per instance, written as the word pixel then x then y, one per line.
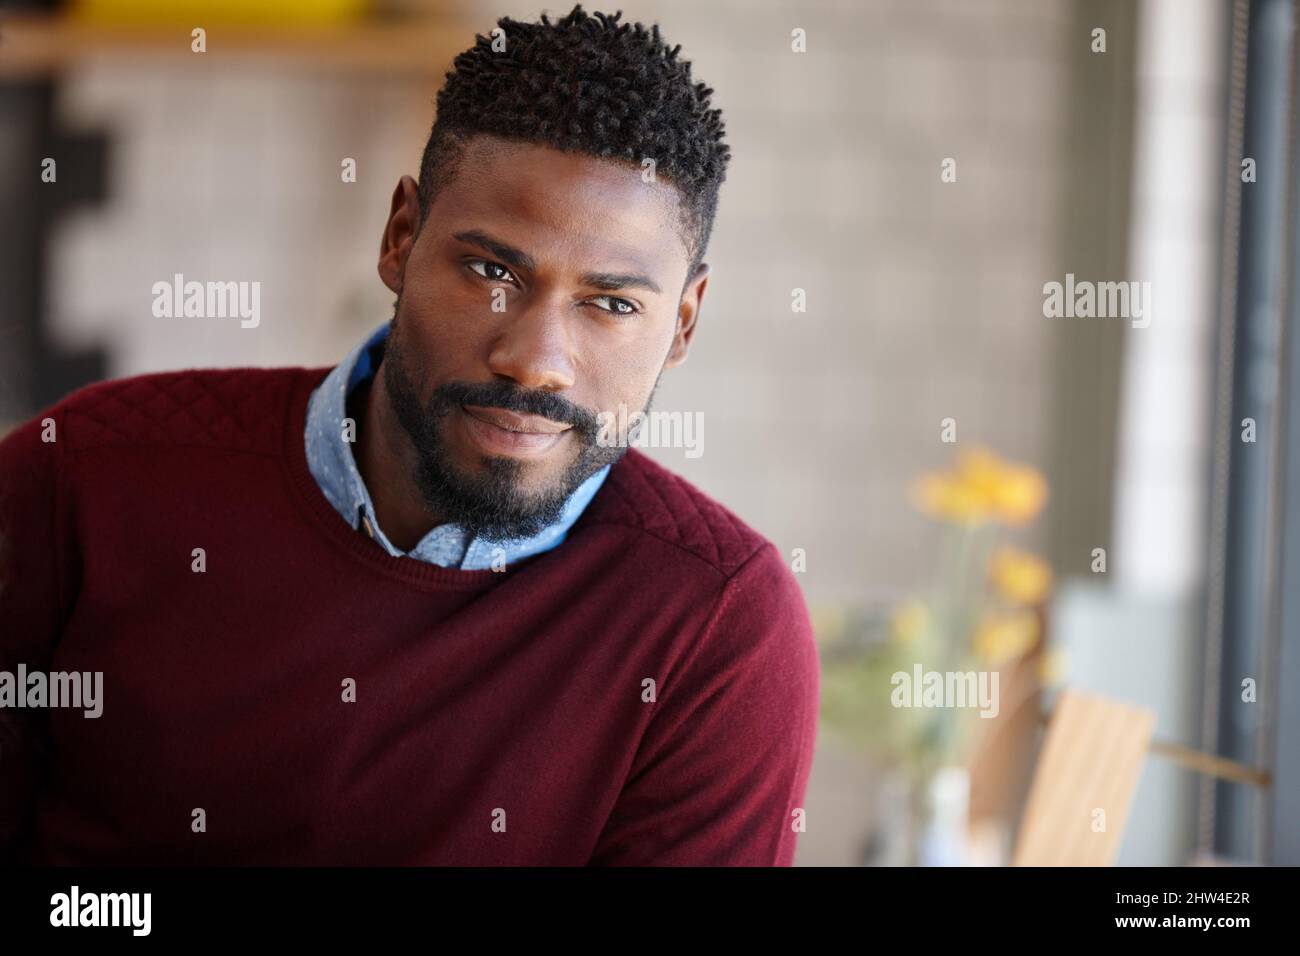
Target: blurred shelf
pixel 33 45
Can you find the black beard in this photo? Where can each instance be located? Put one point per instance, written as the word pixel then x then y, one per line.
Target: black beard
pixel 488 504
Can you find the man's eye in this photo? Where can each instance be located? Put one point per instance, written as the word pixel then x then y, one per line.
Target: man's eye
pixel 492 271
pixel 616 305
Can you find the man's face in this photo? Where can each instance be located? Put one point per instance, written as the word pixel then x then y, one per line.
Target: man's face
pixel 543 289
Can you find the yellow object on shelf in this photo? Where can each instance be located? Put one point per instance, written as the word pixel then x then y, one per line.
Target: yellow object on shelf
pixel 227 12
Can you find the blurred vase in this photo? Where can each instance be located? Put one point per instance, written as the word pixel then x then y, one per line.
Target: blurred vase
pixel 890 840
pixel 943 834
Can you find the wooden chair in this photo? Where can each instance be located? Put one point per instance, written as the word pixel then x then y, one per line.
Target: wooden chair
pixel 1087 774
pixel 1084 782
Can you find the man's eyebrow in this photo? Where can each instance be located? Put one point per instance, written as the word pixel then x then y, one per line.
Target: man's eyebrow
pixel 515 258
pixel 613 281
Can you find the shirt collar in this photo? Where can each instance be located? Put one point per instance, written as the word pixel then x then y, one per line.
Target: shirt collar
pixel 329 456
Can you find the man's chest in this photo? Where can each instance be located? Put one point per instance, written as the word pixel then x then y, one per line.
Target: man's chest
pixel 341 730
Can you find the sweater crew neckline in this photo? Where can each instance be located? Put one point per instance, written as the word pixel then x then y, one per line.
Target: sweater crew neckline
pixel 420 574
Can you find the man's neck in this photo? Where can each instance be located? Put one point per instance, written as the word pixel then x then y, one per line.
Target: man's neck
pixel 385 461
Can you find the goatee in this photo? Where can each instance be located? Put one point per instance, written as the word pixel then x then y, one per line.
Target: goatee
pixel 488 503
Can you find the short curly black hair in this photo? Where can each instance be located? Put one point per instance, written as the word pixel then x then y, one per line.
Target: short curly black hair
pixel 585 83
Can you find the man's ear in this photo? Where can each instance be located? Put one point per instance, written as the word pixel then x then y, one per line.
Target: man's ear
pixel 399 233
pixel 688 314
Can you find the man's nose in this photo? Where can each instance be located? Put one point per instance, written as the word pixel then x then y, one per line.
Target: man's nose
pixel 534 346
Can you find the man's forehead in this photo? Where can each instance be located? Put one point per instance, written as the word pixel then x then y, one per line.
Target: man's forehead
pixel 568 198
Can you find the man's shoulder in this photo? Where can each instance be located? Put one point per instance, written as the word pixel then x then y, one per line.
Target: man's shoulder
pixel 647 498
pixel 240 409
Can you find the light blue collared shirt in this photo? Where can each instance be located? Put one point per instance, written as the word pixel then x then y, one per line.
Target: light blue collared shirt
pixel 331 462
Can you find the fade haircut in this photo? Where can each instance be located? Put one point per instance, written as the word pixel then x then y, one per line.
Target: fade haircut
pixel 588 84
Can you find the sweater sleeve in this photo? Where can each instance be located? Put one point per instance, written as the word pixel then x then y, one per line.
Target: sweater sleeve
pixel 34 604
pixel 721 774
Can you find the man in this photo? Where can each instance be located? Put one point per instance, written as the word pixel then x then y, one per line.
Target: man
pixel 423 608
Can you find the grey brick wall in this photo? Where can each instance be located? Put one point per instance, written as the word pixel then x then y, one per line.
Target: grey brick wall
pixel 924 298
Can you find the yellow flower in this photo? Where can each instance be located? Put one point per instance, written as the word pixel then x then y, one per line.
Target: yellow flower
pixel 944 497
pixel 1020 577
pixel 909 621
pixel 1052 667
pixel 981 487
pixel 1004 637
pixel 1020 495
pixel 981 470
pixel 1014 493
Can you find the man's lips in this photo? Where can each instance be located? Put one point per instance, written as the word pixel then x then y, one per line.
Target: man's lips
pixel 515 422
pixel 500 432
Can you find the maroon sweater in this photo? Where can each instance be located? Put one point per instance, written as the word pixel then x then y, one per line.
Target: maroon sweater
pixel 500 718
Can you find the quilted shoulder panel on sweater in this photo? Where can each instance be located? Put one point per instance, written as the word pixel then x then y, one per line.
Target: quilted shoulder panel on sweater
pixel 241 409
pixel 642 493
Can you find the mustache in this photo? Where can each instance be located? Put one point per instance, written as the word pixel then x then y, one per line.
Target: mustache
pixel 515 399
